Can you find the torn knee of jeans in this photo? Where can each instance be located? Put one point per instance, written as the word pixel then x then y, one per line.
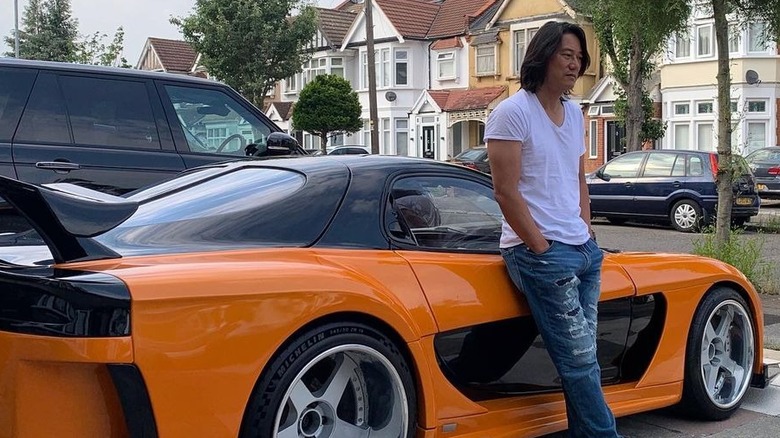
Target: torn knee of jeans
pixel 564 281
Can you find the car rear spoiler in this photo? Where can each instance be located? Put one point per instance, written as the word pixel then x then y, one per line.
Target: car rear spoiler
pixel 67 216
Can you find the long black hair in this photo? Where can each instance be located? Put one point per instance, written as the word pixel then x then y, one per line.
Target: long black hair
pixel 543 47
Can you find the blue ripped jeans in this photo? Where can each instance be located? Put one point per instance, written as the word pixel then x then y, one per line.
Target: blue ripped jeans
pixel 562 287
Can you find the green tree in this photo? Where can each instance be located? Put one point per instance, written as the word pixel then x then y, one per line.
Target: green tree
pixel 48 31
pixel 94 50
pixel 743 12
pixel 250 44
pixel 327 105
pixel 632 34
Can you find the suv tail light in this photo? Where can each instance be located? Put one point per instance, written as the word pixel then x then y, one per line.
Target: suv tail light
pixel 714 165
pixel 774 170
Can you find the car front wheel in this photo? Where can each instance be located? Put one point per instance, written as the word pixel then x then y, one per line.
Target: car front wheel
pixel 719 356
pixel 338 380
pixel 686 216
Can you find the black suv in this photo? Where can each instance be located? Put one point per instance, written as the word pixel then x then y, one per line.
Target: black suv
pixel 668 185
pixel 116 130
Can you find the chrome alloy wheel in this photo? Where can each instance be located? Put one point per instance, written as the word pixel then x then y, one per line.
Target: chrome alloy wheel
pixel 686 216
pixel 349 391
pixel 727 354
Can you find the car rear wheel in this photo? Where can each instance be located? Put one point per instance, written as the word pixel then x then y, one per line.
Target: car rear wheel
pixel 686 216
pixel 334 381
pixel 719 356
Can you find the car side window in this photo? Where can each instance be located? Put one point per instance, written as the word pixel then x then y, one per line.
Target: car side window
pixel 110 112
pixel 679 166
pixel 15 85
pixel 214 122
pixel 624 166
pixel 44 119
pixel 659 164
pixel 695 166
pixel 447 213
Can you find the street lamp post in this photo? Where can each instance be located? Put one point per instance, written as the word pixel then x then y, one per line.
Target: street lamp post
pixel 16 28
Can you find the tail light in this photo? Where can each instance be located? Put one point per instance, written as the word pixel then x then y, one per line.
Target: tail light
pixel 470 165
pixel 774 170
pixel 714 165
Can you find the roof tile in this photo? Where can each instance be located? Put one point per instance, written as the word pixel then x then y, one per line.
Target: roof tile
pixel 175 55
pixel 335 24
pixel 462 100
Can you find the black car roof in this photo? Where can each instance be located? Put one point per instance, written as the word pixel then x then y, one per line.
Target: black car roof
pixel 101 70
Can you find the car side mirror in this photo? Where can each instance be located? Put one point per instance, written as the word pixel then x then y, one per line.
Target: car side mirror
pixel 277 143
pixel 601 175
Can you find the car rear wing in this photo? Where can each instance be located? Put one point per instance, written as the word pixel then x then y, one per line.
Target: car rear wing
pixel 67 216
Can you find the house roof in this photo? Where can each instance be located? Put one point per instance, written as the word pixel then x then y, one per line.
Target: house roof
pixel 462 100
pixel 447 43
pixel 349 6
pixel 454 16
pixel 335 24
pixel 412 18
pixel 176 56
pixel 283 108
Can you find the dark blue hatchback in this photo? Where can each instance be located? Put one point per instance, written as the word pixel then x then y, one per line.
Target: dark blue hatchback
pixel 668 186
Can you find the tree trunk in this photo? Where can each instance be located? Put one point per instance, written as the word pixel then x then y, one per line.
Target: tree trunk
pixel 725 174
pixel 324 142
pixel 635 115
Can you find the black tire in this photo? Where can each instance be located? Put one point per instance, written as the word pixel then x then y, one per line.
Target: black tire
pixel 714 390
pixel 377 384
pixel 686 216
pixel 616 220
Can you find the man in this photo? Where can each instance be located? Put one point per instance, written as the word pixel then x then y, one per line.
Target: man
pixel 535 141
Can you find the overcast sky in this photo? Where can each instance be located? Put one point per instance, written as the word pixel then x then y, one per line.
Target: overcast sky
pixel 139 18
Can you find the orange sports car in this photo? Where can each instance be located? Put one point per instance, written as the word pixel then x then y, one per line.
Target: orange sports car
pixel 355 296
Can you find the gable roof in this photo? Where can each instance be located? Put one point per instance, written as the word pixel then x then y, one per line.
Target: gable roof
pixel 176 56
pixel 462 100
pixel 334 24
pixel 570 7
pixel 412 18
pixel 454 16
pixel 284 109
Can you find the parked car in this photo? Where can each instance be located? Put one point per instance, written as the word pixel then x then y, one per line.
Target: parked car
pixel 364 296
pixel 765 165
pixel 115 130
pixel 349 150
pixel 671 186
pixel 474 158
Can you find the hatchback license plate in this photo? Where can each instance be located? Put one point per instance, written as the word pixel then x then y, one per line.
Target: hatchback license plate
pixel 761 186
pixel 744 201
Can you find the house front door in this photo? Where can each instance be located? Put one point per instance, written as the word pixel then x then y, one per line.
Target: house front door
pixel 428 142
pixel 615 143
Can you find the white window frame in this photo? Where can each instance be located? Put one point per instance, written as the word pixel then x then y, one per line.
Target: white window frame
pixel 401 130
pixel 698 103
pixel 763 140
pixel 517 52
pixel 686 105
pixel 594 110
pixel 593 137
pixel 448 57
pixel 712 136
pixel 756 36
pixel 291 84
pixel 333 66
pixel 735 38
pixel 763 101
pixel 477 56
pixel 386 136
pixel 674 135
pixel 710 41
pixel 405 61
pixel 607 110
pixel 364 69
pixel 679 37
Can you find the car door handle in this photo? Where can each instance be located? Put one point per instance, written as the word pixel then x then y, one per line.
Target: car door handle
pixel 61 166
pixel 676 184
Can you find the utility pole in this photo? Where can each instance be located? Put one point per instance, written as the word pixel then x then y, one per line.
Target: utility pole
pixel 371 67
pixel 16 28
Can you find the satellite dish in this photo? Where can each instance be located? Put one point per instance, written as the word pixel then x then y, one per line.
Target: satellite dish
pixel 391 96
pixel 751 77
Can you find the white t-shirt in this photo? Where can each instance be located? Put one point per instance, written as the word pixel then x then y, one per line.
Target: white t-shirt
pixel 549 178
